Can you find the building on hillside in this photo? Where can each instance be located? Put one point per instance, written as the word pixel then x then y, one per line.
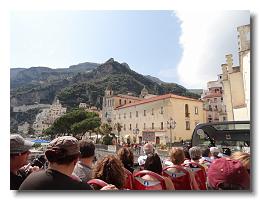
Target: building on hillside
pixel 236 80
pixel 146 120
pixel 47 117
pixel 111 101
pixel 213 102
pixel 23 128
pixel 89 108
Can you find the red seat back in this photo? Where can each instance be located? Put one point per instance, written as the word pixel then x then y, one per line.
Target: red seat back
pixel 97 184
pixel 199 173
pixel 142 184
pixel 179 176
pixel 128 179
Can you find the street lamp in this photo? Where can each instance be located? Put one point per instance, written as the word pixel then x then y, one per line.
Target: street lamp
pixel 171 124
pixel 136 132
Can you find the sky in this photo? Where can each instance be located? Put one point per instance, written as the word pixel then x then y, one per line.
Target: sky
pixel 187 48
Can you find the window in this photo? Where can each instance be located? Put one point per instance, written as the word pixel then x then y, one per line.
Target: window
pixel 130 115
pixel 196 110
pixel 125 101
pixel 136 125
pixel 161 110
pixel 124 127
pixel 129 101
pixel 215 100
pixel 187 114
pixel 187 125
pixel 152 111
pixel 136 113
pixel 120 101
pixel 152 125
pixel 144 112
pixel 144 126
pixel 161 125
pixel 130 127
pixel 221 99
pixel 210 108
pixel 216 107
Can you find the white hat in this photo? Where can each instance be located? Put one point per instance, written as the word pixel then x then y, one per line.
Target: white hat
pixel 214 150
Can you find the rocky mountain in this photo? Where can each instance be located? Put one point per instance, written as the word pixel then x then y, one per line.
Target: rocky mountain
pixel 84 82
pixel 154 79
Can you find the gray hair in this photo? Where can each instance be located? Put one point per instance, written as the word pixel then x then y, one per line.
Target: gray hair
pixel 195 153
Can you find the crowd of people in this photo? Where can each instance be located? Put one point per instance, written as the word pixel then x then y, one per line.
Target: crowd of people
pixel 72 165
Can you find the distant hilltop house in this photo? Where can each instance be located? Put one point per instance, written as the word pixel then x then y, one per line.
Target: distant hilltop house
pixel 89 108
pixel 159 119
pixel 47 117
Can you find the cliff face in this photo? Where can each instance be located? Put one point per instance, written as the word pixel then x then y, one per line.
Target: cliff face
pixel 85 82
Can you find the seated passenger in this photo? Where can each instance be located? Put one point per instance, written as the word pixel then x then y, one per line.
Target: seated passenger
pixel 111 170
pixel 228 174
pixel 215 152
pixel 62 154
pixel 153 163
pixel 205 160
pixel 83 168
pixel 127 158
pixel 177 158
pixel 148 149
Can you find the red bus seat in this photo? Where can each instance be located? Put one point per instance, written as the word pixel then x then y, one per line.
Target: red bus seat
pixel 142 184
pixel 199 173
pixel 97 184
pixel 128 179
pixel 180 177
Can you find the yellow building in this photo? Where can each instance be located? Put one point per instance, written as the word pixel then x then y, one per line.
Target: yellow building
pixel 236 80
pixel 150 119
pixel 111 101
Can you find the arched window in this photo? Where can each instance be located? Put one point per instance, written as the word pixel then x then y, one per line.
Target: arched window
pixel 187 114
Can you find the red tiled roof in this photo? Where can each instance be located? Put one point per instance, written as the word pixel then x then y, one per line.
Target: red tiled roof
pixel 128 97
pixel 157 98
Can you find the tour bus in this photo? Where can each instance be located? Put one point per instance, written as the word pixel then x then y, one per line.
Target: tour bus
pixel 234 135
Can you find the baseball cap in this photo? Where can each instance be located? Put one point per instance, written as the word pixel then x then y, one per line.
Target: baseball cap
pixel 64 146
pixel 18 144
pixel 225 170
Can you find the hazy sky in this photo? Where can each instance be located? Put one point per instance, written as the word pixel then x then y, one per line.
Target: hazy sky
pixel 182 47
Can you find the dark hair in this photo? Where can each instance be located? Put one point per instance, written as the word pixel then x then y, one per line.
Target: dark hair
pixel 111 170
pixel 205 152
pixel 126 156
pixel 153 163
pixel 87 148
pixel 186 152
pixel 60 157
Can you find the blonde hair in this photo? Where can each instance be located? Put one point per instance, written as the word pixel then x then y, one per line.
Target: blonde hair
pixel 177 155
pixel 243 157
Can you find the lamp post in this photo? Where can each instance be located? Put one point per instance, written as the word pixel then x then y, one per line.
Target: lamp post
pixel 171 124
pixel 136 132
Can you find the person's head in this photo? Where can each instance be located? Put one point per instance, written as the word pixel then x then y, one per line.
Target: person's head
pixel 126 156
pixel 214 151
pixel 148 148
pixel 243 157
pixel 195 153
pixel 63 151
pixel 205 152
pixel 177 155
pixel 111 170
pixel 87 149
pixel 153 163
pixel 186 152
pixel 228 174
pixel 19 151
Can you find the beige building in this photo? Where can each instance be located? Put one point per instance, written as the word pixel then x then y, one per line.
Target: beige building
pixel 213 102
pixel 111 101
pixel 146 119
pixel 47 117
pixel 236 80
